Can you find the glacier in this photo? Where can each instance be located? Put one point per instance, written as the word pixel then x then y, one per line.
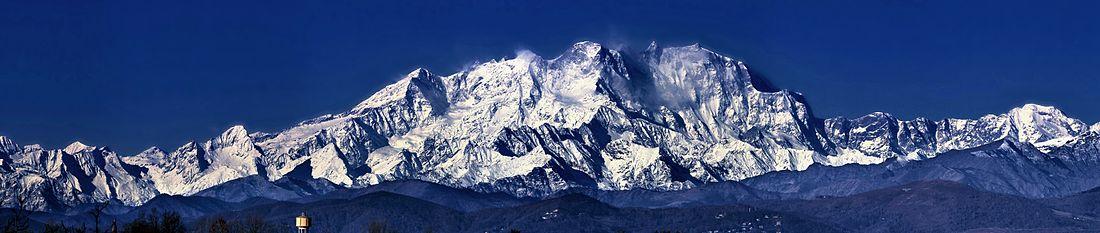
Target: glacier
pixel 666 118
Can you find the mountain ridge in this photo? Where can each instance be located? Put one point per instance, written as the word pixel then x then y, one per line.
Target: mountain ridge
pixel 660 119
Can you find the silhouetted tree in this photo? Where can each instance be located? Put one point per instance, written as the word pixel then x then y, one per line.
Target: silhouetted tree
pixel 60 228
pixel 97 210
pixel 250 224
pixel 19 222
pixel 171 222
pixel 143 223
pixel 159 222
pixel 256 224
pixel 220 225
pixel 54 228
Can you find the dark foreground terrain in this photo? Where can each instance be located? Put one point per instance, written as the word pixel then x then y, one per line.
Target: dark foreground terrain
pixel 943 206
pixel 924 206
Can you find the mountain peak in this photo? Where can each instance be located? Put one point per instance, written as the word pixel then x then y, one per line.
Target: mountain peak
pixel 1036 111
pixel 1037 123
pixel 1095 128
pixel 581 51
pixel 7 146
pixel 696 53
pixel 76 147
pixel 878 115
pixel 152 150
pixel 418 73
pixel 189 144
pixel 653 51
pixel 587 47
pixel 420 81
pixel 393 92
pixel 694 47
pixel 234 134
pixel 652 46
pixel 153 155
pixel 5 140
pixel 1035 108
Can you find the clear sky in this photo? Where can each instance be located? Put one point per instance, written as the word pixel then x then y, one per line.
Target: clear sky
pixel 134 74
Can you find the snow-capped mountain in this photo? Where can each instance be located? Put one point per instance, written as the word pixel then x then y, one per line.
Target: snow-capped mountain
pixel 660 119
pixel 591 117
pixel 878 136
pixel 1004 166
pixel 54 179
pixel 194 166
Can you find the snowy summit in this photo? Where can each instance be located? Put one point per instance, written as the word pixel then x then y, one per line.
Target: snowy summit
pixel 666 118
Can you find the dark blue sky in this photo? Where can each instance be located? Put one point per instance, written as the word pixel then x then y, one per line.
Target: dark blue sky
pixel 133 74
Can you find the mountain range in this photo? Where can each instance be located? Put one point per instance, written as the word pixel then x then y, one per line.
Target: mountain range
pixel 665 119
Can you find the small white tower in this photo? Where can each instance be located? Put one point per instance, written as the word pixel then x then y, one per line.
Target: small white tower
pixel 302 222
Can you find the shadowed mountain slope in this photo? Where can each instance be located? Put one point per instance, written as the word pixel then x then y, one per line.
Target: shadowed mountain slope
pixel 935 206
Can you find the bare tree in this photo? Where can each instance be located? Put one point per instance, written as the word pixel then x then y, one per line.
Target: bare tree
pixel 254 224
pixel 171 222
pixel 20 219
pixel 378 227
pixel 156 222
pixel 220 225
pixel 96 212
pixel 61 228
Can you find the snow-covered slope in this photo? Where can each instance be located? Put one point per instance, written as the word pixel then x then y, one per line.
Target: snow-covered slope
pixel 668 119
pixel 659 119
pixel 1003 166
pixel 194 166
pixel 879 136
pixel 55 179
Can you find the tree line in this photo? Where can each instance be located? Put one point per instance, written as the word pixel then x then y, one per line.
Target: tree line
pixel 19 221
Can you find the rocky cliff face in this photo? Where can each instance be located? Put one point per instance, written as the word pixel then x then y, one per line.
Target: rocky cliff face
pixel 661 119
pixel 54 179
pixel 881 136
